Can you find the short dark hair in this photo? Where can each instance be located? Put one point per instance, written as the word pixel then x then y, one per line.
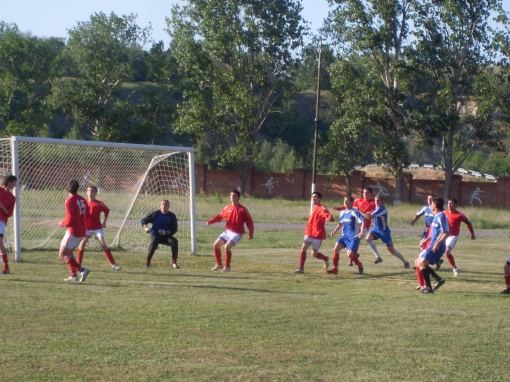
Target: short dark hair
pixel 9 178
pixel 319 195
pixel 454 200
pixel 349 198
pixel 379 197
pixel 438 202
pixel 92 186
pixel 237 192
pixel 369 189
pixel 73 186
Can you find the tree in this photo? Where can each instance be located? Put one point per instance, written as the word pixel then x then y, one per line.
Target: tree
pixel 235 57
pixel 28 66
pixel 104 51
pixel 459 58
pixel 372 35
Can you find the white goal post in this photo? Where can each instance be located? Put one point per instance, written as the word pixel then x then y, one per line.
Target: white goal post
pixel 132 179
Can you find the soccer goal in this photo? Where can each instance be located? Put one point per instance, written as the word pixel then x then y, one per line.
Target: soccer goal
pixel 131 180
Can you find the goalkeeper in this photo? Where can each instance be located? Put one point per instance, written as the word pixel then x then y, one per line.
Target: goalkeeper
pixel 163 229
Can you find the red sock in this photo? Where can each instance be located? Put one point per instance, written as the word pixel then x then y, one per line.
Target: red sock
pixel 228 257
pixel 507 281
pixel 217 254
pixel 321 256
pixel 355 260
pixel 336 259
pixel 73 265
pixel 5 261
pixel 108 254
pixel 419 276
pixel 451 260
pixel 302 259
pixel 80 256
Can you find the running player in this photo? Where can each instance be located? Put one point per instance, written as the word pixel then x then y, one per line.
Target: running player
pixel 7 202
pixel 95 227
pixel 363 204
pixel 315 232
pixel 382 231
pixel 439 231
pixel 236 216
pixel 454 219
pixel 353 228
pixel 76 210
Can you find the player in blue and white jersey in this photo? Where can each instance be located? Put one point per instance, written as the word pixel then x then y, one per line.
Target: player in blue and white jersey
pixel 353 229
pixel 426 211
pixel 439 231
pixel 381 231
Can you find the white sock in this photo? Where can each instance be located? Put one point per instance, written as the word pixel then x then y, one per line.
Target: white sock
pixel 371 244
pixel 399 255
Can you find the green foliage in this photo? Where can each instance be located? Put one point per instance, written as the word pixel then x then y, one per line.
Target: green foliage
pixel 277 158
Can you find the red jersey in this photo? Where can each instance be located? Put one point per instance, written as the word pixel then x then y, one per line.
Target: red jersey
pixel 93 220
pixel 454 220
pixel 236 217
pixel 316 223
pixel 366 206
pixel 76 210
pixel 8 200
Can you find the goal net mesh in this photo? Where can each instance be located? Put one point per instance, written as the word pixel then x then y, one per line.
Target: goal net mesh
pixel 130 181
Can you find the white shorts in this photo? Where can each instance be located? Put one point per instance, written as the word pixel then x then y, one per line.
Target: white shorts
pixel 229 235
pixel 69 241
pixel 2 227
pixel 451 241
pixel 316 243
pixel 99 233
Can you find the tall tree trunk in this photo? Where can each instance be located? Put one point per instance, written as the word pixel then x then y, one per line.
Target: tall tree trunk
pixel 399 187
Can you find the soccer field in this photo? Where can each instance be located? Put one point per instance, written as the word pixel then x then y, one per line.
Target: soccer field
pixel 260 322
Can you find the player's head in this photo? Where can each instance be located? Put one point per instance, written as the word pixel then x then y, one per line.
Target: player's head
pixel 91 191
pixel 73 186
pixel 235 195
pixel 452 204
pixel 438 203
pixel 348 200
pixel 164 206
pixel 379 200
pixel 9 181
pixel 430 197
pixel 368 193
pixel 316 197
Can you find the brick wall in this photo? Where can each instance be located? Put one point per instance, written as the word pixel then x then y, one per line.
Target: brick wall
pixel 297 185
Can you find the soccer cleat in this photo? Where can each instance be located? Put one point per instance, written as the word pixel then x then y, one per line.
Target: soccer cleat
pixel 326 263
pixel 439 263
pixel 379 260
pixel 439 284
pixel 147 266
pixel 361 270
pixel 456 272
pixel 72 278
pixel 217 267
pixel 84 274
pixel 115 267
pixel 350 264
pixel 175 266
pixel 333 271
pixel 299 270
pixel 427 291
pixel 6 271
pixel 407 265
pixel 506 291
pixel 420 287
pixel 226 269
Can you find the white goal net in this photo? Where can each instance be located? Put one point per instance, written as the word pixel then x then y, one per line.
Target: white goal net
pixel 131 180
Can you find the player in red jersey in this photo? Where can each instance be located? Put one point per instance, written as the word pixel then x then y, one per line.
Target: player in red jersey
pixel 237 216
pixel 315 232
pixel 95 227
pixel 506 269
pixel 76 210
pixel 454 219
pixel 365 204
pixel 7 202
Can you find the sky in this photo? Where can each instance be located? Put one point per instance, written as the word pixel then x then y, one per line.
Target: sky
pixel 54 18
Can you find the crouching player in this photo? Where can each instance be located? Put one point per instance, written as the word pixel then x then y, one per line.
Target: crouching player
pixel 353 229
pixel 440 230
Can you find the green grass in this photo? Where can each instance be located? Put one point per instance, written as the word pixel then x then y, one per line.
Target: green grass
pixel 261 322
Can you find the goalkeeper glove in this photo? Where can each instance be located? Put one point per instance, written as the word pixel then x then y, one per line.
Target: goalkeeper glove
pixel 148 229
